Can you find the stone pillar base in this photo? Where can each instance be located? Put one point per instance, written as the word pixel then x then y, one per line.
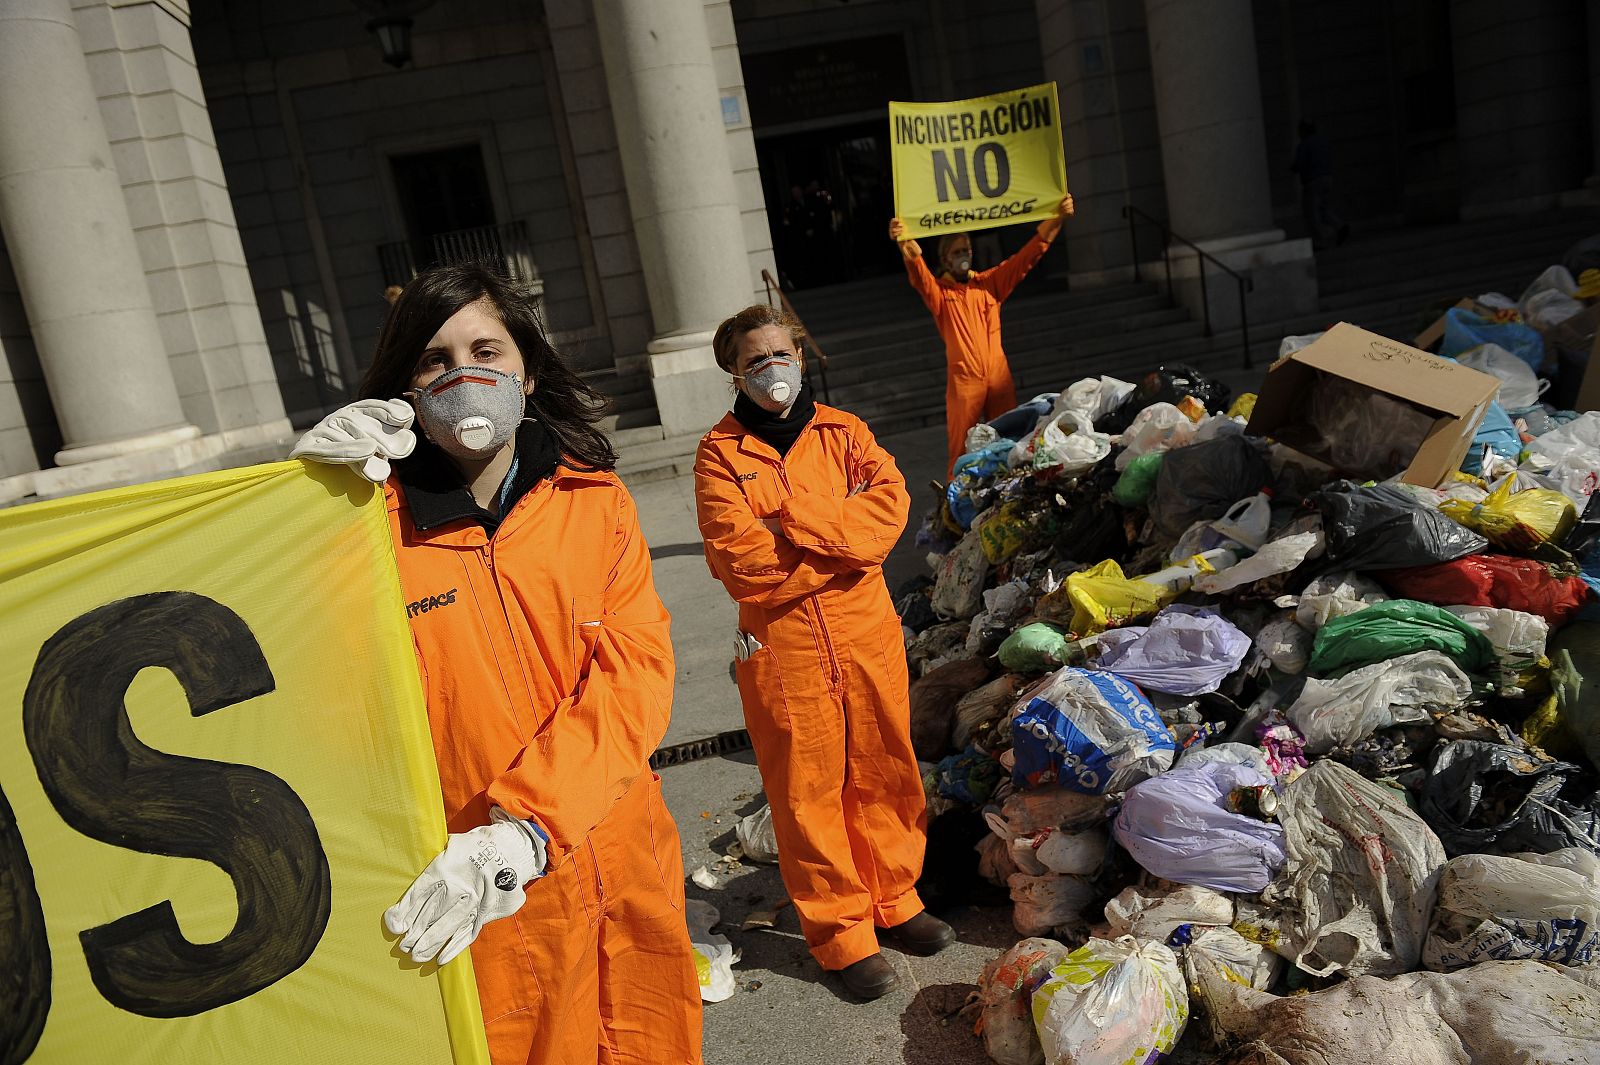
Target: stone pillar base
pixel 111 449
pixel 691 390
pixel 193 453
pixel 1283 275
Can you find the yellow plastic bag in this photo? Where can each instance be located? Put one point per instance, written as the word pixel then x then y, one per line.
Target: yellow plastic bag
pixel 1516 521
pixel 1243 407
pixel 1102 598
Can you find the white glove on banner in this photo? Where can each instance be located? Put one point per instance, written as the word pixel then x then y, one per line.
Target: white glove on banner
pixel 365 435
pixel 476 879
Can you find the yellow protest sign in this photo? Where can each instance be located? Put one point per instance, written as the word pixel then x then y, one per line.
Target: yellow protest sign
pixel 215 774
pixel 976 164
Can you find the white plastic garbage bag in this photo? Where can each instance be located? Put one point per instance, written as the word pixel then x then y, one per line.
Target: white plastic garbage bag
pixel 1518 638
pixel 1290 345
pixel 1275 557
pixel 1582 432
pixel 756 836
pixel 1093 397
pixel 1066 440
pixel 1544 907
pixel 1336 712
pixel 1519 386
pixel 1285 644
pixel 1357 890
pixel 1228 754
pixel 1112 1003
pixel 1159 427
pixel 1041 904
pixel 1154 912
pixel 958 587
pixel 1178 826
pixel 1072 853
pixel 1005 995
pixel 1334 595
pixel 1218 956
pixel 713 954
pixel 1497 1012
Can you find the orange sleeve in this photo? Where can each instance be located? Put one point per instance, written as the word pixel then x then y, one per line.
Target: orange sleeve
pixel 1003 279
pixel 861 529
pixel 599 740
pixel 923 281
pixel 753 564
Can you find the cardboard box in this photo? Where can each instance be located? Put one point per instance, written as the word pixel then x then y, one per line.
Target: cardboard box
pixel 1455 395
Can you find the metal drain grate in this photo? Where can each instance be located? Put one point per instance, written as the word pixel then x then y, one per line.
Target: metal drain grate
pixel 694 750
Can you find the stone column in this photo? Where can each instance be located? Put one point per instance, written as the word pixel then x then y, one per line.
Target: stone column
pixel 1214 158
pixel 71 243
pixel 681 195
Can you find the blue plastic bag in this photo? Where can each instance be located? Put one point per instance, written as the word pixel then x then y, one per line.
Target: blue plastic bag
pixel 1178 827
pixel 1089 732
pixel 1499 432
pixel 971 470
pixel 1464 330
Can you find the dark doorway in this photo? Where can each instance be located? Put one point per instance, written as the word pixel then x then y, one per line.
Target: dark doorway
pixel 439 192
pixel 830 197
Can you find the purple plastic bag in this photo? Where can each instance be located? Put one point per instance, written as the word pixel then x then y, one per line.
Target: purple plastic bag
pixel 1178 826
pixel 1184 651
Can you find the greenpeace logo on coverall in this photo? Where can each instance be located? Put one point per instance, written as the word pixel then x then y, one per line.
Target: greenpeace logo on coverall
pixel 1050 746
pixel 430 602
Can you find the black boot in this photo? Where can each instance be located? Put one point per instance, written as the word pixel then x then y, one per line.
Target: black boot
pixel 924 934
pixel 869 978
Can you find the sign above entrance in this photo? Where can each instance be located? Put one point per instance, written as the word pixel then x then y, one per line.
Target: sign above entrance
pixel 977 164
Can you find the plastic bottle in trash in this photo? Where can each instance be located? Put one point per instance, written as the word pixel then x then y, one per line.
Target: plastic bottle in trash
pixel 1247 521
pixel 1177 579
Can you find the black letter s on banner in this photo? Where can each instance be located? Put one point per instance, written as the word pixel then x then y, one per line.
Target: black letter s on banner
pixel 24 948
pixel 110 786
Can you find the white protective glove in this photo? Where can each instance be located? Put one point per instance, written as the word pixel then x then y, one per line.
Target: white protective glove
pixel 365 435
pixel 476 879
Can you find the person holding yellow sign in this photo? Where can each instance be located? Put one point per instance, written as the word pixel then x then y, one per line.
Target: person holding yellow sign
pixel 548 671
pixel 966 308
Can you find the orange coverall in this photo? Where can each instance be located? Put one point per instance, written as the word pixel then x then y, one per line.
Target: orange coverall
pixel 977 378
pixel 825 697
pixel 548 673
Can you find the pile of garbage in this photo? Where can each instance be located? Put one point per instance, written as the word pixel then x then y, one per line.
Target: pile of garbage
pixel 1292 691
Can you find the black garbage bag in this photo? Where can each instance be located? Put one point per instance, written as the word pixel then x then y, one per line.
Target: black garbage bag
pixel 1383 527
pixel 1168 384
pixel 1201 481
pixel 1491 798
pixel 913 601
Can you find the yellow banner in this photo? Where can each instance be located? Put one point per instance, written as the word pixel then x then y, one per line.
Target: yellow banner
pixel 216 774
pixel 976 164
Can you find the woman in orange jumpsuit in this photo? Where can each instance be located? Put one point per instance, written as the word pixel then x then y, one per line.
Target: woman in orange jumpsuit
pixel 966 308
pixel 799 507
pixel 548 672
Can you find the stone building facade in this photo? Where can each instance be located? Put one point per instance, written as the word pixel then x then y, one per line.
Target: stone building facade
pixel 201 205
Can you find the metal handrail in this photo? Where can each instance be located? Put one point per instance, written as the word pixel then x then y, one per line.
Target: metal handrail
pixel 821 360
pixel 1245 284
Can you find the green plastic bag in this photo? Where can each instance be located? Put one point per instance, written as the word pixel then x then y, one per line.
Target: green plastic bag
pixel 1035 648
pixel 1138 481
pixel 1398 627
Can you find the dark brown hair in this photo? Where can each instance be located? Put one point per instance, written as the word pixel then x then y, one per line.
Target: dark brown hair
pixel 725 342
pixel 948 240
pixel 561 400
